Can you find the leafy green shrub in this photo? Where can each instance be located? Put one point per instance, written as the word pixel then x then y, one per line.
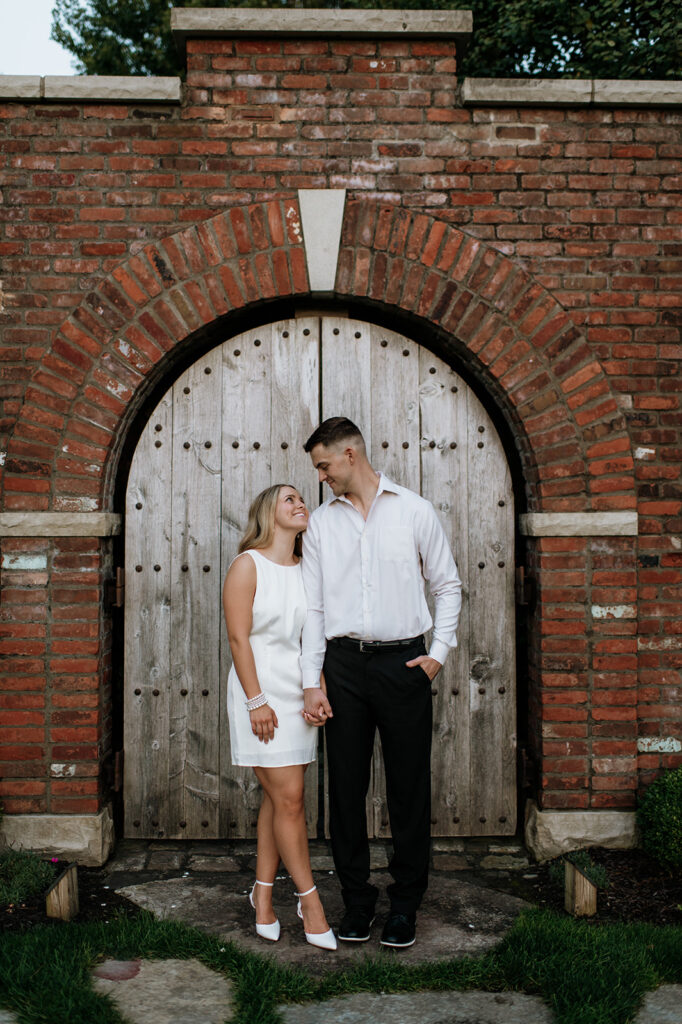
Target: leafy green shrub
pixel 22 875
pixel 582 860
pixel 659 817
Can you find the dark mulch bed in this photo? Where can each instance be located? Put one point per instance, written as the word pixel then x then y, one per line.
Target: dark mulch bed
pixel 96 902
pixel 639 890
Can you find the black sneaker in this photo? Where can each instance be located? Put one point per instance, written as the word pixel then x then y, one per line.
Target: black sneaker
pixel 355 926
pixel 399 931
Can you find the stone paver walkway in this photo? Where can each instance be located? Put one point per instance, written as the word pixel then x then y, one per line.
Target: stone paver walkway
pixel 664 1006
pixel 423 1008
pixel 458 918
pixel 165 991
pixel 206 885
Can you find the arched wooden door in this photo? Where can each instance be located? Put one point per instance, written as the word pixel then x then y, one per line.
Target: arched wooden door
pixel 235 422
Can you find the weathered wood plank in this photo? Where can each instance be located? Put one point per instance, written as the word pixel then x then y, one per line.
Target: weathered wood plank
pixel 394 384
pixel 347 374
pixel 246 460
pixel 61 899
pixel 195 600
pixel 347 391
pixel 295 414
pixel 580 894
pixel 295 403
pixel 492 685
pixel 443 404
pixel 147 632
pixel 395 406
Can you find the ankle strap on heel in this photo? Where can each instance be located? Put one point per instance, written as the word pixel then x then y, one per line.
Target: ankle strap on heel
pixel 306 893
pixel 268 884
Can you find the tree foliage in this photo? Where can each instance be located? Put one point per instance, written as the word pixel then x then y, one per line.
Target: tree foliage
pixel 588 39
pixel 545 38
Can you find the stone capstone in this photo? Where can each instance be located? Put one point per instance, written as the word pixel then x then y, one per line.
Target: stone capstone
pixel 205 22
pixel 511 91
pixel 113 88
pixel 20 87
pixel 565 92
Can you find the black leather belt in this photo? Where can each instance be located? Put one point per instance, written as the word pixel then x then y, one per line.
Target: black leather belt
pixel 374 646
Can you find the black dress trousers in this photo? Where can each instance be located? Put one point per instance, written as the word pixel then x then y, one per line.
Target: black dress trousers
pixel 366 692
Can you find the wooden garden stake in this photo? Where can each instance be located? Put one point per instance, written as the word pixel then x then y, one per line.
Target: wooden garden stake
pixel 61 899
pixel 580 893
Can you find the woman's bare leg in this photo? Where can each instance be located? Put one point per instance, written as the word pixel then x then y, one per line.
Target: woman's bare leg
pixel 284 786
pixel 267 862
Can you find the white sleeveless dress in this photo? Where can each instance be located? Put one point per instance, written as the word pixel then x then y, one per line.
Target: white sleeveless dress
pixel 279 611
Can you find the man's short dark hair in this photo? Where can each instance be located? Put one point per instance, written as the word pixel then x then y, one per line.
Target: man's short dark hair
pixel 333 431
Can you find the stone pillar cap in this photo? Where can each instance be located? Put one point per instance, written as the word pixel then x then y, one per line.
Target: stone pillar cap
pixel 209 22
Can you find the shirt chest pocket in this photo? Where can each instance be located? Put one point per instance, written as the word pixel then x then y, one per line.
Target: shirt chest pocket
pixel 396 544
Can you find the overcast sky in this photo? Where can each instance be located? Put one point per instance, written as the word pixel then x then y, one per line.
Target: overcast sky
pixel 25 45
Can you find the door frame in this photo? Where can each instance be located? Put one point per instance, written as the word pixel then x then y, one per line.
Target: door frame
pixel 432 340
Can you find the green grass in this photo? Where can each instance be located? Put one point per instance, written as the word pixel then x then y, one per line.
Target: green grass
pixel 587 973
pixel 22 874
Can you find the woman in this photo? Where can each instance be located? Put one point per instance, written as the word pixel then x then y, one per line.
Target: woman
pixel 265 608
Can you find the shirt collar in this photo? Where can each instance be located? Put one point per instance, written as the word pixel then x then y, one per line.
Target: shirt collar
pixel 385 484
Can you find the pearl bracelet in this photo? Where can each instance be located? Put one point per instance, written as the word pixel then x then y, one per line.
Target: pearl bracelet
pixel 256 702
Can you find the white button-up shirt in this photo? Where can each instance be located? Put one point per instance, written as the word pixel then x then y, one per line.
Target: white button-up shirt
pixel 365 578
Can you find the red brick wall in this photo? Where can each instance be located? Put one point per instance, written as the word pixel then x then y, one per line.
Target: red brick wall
pixel 55 737
pixel 584 200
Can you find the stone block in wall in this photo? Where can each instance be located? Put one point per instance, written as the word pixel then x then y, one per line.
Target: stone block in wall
pixel 87 839
pixel 548 834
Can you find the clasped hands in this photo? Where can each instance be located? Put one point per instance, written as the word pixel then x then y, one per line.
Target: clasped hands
pixel 317 709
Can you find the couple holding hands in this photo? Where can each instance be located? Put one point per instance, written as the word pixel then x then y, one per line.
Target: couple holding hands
pixel 326 616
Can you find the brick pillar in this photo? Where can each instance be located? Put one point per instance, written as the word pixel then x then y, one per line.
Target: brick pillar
pixel 55 695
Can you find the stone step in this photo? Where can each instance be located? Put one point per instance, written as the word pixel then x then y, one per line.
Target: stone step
pixel 468 854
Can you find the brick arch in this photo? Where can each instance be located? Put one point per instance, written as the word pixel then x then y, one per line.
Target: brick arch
pixel 510 330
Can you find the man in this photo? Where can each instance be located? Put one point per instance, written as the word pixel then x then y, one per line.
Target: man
pixel 366 554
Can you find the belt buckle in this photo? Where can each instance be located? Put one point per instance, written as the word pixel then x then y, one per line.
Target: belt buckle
pixel 362 647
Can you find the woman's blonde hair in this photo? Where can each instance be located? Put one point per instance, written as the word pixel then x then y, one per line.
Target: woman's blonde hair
pixel 260 527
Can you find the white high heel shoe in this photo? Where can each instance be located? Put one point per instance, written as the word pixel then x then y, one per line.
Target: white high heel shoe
pixel 266 931
pixel 325 940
